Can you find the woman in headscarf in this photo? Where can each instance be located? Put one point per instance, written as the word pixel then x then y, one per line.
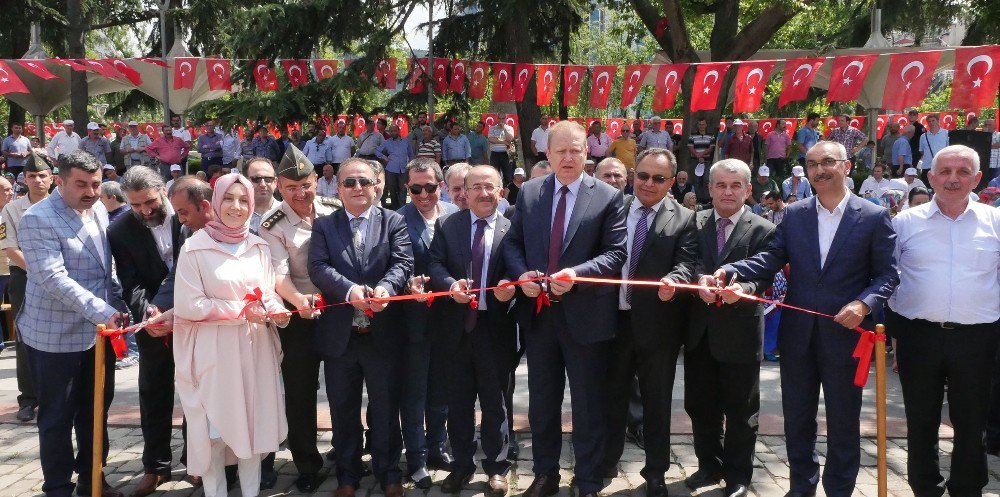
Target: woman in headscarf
pixel 226 348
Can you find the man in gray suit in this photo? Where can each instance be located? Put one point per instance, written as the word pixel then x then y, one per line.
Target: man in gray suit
pixel 71 289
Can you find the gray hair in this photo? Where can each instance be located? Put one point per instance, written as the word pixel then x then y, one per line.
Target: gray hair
pixel 958 151
pixel 731 166
pixel 610 162
pixel 659 152
pixel 113 189
pixel 141 178
pixel 423 164
pixel 358 160
pixel 460 167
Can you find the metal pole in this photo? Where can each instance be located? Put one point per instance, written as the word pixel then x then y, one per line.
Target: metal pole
pixel 97 455
pixel 430 60
pixel 163 49
pixel 880 408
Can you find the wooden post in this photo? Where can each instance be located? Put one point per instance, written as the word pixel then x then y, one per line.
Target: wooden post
pixel 880 373
pixel 97 466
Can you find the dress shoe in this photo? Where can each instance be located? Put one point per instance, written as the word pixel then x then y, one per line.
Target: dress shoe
pixel 656 488
pixel 331 455
pixel 636 435
pixel 83 490
pixel 345 491
pixel 393 490
pixel 148 484
pixel 794 493
pixel 498 486
pixel 454 482
pixel 421 479
pixel 543 486
pixel 195 481
pixel 735 491
pixel 440 462
pixel 703 478
pixel 513 451
pixel 25 414
pixel 307 482
pixel 267 478
pixel 611 472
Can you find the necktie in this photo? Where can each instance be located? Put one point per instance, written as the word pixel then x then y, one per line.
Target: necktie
pixel 720 233
pixel 360 318
pixel 556 238
pixel 476 269
pixel 638 239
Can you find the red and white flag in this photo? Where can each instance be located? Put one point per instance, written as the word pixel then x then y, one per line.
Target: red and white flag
pixel 72 64
pixel 441 82
pixel 790 127
pixel 975 82
pixel 324 68
pixel 908 79
pixel 545 83
pixel 359 123
pixel 678 127
pixel 848 77
pixel 477 85
pixel 9 82
pixel 100 67
pixel 829 124
pixel 634 76
pixel 513 122
pixel 751 80
pixel 766 126
pixel 417 68
pixel 798 77
pixel 668 85
pixel 297 72
pixel 522 75
pixel 600 85
pixel 154 61
pixel 572 80
pixel 220 73
pixel 404 125
pixel 857 122
pixel 38 68
pixel 458 67
pixel 490 120
pixel 385 73
pixel 126 70
pixel 184 72
pixel 880 123
pixel 949 120
pixel 707 85
pixel 615 127
pixel 503 82
pixel 267 79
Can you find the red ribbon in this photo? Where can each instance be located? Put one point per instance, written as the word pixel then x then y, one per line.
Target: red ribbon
pixel 474 303
pixel 255 296
pixel 118 345
pixel 542 300
pixel 863 353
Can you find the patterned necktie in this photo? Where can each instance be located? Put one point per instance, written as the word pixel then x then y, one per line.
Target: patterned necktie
pixel 478 255
pixel 360 318
pixel 558 228
pixel 638 240
pixel 720 233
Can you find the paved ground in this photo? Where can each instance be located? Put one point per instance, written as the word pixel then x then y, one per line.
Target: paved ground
pixel 20 473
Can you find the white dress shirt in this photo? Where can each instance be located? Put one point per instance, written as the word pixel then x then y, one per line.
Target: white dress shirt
pixel 164 238
pixel 571 196
pixel 491 223
pixel 541 138
pixel 340 147
pixel 62 143
pixel 182 133
pixel 363 227
pixel 949 269
pixel 875 187
pixel 828 222
pixel 631 220
pixel 326 188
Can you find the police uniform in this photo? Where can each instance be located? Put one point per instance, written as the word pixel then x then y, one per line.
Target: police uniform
pixel 9 219
pixel 288 236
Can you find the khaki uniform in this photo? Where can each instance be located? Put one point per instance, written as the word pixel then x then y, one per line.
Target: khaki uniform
pixel 9 219
pixel 288 236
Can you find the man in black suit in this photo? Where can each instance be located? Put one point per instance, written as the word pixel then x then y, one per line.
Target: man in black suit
pixel 724 345
pixel 480 343
pixel 144 245
pixel 361 254
pixel 567 224
pixel 662 243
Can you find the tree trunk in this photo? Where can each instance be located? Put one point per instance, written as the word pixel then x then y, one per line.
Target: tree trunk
pixel 76 50
pixel 19 39
pixel 564 60
pixel 528 113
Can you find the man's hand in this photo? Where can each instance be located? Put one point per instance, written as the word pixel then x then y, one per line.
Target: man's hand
pixel 708 296
pixel 304 304
pixel 379 293
pixel 504 293
pixel 117 320
pixel 416 286
pixel 559 285
pixel 160 324
pixel 729 294
pixel 458 291
pixel 668 290
pixel 358 298
pixel 530 289
pixel 851 315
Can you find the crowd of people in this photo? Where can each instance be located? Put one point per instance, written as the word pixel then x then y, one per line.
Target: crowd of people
pixel 282 256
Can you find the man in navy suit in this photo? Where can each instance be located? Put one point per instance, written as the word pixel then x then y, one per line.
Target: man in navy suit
pixel 358 254
pixel 839 248
pixel 567 224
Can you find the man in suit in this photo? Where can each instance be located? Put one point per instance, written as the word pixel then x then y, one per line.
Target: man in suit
pixel 145 245
pixel 481 343
pixel 424 397
pixel 361 254
pixel 839 248
pixel 661 244
pixel 723 346
pixel 567 224
pixel 71 289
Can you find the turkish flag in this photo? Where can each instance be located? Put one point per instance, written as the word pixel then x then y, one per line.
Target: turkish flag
pixel 707 85
pixel 152 130
pixel 184 71
pixel 900 119
pixel 9 82
pixel 154 61
pixel 490 120
pixel 600 85
pixel 324 68
pixel 975 82
pixel 130 74
pixel 523 73
pixel 766 126
pixel 545 83
pixel 848 76
pixel 615 127
pixel 631 123
pixel 790 127
pixel 220 73
pixel 385 73
pixel 751 80
pixel 857 122
pixel 553 120
pixel 38 68
pixel 267 79
pixel 798 77
pixel 297 72
pixel 359 123
pixel 922 117
pixel 591 120
pixel 72 64
pixel 417 68
pixel 503 82
pixel 668 84
pixel 634 76
pixel 880 122
pixel 572 79
pixel 949 120
pixel 829 124
pixel 908 79
pixel 458 75
pixel 477 85
pixel 441 82
pixel 512 122
pixel 678 127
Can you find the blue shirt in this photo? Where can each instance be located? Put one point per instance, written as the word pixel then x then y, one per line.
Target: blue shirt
pixel 803 191
pixel 267 147
pixel 19 145
pixel 478 144
pixel 902 148
pixel 319 153
pixel 995 182
pixel 210 145
pixel 453 148
pixel 807 137
pixel 396 152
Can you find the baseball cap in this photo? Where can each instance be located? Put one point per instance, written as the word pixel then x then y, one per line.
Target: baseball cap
pixel 798 172
pixel 93 125
pixel 175 167
pixel 133 123
pixel 764 171
pixel 910 171
pixel 739 122
pixel 520 171
pixel 109 166
pixel 68 122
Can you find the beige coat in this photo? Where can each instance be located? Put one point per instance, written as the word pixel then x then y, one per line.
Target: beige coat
pixel 227 369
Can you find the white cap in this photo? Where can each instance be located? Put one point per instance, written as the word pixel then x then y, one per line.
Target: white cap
pixel 68 122
pixel 739 122
pixel 175 167
pixel 133 123
pixel 109 166
pixel 589 162
pixel 910 171
pixel 798 172
pixel 520 171
pixel 234 170
pixel 93 125
pixel 699 170
pixel 763 171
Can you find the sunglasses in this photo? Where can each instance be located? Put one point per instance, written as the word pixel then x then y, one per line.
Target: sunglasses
pixel 352 182
pixel 265 179
pixel 428 187
pixel 657 178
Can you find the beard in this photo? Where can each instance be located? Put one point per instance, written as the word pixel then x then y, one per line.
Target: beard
pixel 156 220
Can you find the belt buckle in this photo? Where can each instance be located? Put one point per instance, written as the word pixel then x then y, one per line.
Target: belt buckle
pixel 947 325
pixel 361 330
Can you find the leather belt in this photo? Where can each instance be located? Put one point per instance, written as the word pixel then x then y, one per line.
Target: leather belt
pixel 947 325
pixel 361 330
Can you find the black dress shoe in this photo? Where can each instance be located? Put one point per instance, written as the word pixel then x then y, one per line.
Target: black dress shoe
pixel 331 455
pixel 543 486
pixel 267 478
pixel 793 493
pixel 83 489
pixel 735 491
pixel 307 482
pixel 25 414
pixel 513 451
pixel 636 435
pixel 703 478
pixel 440 462
pixel 455 481
pixel 656 488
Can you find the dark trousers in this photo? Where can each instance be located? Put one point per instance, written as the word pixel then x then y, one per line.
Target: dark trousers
pixel 25 378
pixel 394 195
pixel 156 401
pixel 717 392
pixel 501 162
pixel 423 407
pixel 479 369
pixel 65 382
pixel 364 364
pixel 803 371
pixel 993 423
pixel 777 167
pixel 963 359
pixel 655 368
pixel 207 162
pixel 553 355
pixel 300 376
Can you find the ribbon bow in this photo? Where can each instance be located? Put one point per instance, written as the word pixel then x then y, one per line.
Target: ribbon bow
pixel 255 296
pixel 863 353
pixel 118 345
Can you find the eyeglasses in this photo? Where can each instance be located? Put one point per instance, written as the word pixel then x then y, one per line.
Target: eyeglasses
pixel 428 187
pixel 488 189
pixel 265 179
pixel 657 178
pixel 352 182
pixel 827 162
